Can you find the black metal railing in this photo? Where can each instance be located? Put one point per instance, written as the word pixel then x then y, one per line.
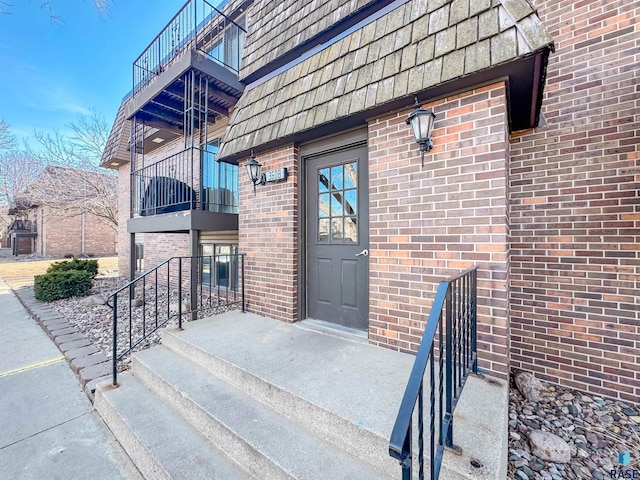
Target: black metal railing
pixel 178 289
pixel 23 226
pixel 452 345
pixel 198 25
pixel 173 185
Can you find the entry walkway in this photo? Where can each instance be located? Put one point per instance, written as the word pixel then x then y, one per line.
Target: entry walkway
pixel 48 428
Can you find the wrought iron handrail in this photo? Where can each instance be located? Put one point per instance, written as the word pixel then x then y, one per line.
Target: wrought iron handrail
pixel 178 279
pixel 192 28
pixel 173 184
pixel 456 346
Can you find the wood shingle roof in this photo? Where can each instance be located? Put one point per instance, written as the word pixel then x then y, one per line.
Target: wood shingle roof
pixel 275 26
pixel 413 47
pixel 117 144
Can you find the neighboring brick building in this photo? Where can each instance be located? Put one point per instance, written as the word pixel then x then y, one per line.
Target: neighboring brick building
pixel 534 176
pixel 58 228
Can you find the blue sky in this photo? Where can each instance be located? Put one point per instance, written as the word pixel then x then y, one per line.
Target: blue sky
pixel 49 73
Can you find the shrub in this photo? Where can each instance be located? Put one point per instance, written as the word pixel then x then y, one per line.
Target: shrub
pixel 90 266
pixel 62 284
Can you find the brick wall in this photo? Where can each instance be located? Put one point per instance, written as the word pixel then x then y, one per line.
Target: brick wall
pixel 575 206
pixel 61 234
pixel 429 223
pixel 124 208
pixel 268 232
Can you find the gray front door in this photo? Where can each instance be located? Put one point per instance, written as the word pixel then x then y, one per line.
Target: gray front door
pixel 338 238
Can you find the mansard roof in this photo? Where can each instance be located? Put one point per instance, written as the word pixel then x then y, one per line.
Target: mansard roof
pixel 275 26
pixel 415 47
pixel 116 148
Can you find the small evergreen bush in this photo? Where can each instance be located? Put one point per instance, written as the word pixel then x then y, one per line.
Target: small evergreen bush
pixel 90 266
pixel 62 284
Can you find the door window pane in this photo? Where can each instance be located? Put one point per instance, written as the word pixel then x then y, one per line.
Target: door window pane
pixel 351 229
pixel 323 180
pixel 350 202
pixel 336 229
pixel 336 204
pixel 336 177
pixel 351 175
pixel 323 205
pixel 323 230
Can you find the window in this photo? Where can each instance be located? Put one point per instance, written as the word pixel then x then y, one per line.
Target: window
pixel 219 266
pixel 219 182
pixel 338 203
pixel 227 47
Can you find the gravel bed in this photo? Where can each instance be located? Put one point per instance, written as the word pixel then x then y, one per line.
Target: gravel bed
pixel 595 430
pixel 95 319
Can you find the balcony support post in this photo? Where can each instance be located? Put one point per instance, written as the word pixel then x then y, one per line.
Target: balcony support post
pixel 132 262
pixel 193 274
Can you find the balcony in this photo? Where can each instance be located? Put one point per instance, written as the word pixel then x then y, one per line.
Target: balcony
pixel 23 228
pixel 192 63
pixel 188 190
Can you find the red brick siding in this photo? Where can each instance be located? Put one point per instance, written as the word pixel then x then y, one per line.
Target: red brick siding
pixel 428 223
pixel 575 206
pixel 268 232
pixel 124 209
pixel 61 234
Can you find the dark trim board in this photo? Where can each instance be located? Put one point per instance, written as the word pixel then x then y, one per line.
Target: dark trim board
pixel 182 222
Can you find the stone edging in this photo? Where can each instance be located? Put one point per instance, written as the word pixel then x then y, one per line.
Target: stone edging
pixel 89 364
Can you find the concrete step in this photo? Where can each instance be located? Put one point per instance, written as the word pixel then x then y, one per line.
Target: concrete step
pixel 346 392
pixel 159 441
pixel 264 442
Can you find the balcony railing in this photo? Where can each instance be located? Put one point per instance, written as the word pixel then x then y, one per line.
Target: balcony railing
pixel 23 226
pixel 185 181
pixel 198 25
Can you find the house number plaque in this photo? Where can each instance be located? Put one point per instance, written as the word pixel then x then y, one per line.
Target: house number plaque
pixel 275 175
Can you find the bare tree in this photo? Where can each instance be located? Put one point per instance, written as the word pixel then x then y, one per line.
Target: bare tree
pixel 102 6
pixel 17 170
pixel 73 180
pixel 72 191
pixel 7 140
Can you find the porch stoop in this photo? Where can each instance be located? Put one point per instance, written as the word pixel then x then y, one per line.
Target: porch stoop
pixel 242 396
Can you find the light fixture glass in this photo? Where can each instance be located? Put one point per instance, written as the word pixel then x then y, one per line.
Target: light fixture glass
pixel 158 140
pixel 421 122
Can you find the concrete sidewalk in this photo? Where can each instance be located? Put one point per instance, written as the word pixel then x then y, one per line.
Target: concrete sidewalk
pixel 48 428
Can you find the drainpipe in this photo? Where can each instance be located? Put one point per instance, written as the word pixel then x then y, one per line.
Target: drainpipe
pixel 83 253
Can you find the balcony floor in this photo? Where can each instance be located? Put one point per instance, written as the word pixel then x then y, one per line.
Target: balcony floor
pixel 183 222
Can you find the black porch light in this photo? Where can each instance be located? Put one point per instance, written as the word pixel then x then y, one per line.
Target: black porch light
pixel 255 172
pixel 421 122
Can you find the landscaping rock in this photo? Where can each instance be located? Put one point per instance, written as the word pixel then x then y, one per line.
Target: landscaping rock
pixel 594 430
pixel 549 447
pixel 137 302
pixel 92 300
pixel 530 387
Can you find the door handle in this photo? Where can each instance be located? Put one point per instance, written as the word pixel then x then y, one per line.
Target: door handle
pixel 363 253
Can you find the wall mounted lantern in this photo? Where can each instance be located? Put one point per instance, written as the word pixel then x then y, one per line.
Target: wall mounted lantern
pixel 255 172
pixel 421 122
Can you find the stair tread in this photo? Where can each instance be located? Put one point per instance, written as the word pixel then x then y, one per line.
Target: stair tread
pixel 289 445
pixel 182 451
pixel 359 382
